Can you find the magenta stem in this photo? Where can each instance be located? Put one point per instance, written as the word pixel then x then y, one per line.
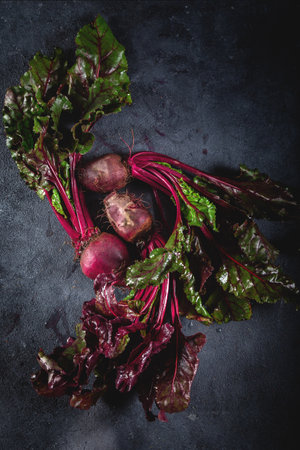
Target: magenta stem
pixel 63 194
pixel 74 158
pixel 140 294
pixel 194 185
pixel 171 189
pixel 88 219
pixel 159 240
pixel 150 299
pixel 108 306
pixel 146 177
pixel 74 235
pixel 153 156
pixel 144 156
pixel 175 302
pixel 145 293
pixel 177 329
pixel 160 208
pixel 163 301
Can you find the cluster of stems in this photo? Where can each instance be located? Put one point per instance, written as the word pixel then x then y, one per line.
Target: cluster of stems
pixel 78 223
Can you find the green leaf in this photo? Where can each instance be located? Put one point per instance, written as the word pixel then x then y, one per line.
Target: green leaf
pixel 187 310
pixel 60 104
pixel 83 141
pixel 39 123
pixel 152 270
pixel 264 284
pixel 18 119
pixel 30 138
pixel 161 262
pixel 189 286
pixel 32 114
pixel 265 198
pixel 252 274
pixel 199 209
pixel 98 82
pixel 200 263
pixel 23 120
pixel 45 75
pixel 79 344
pixel 165 260
pixel 220 198
pixel 253 244
pixel 57 203
pixel 225 307
pixel 34 140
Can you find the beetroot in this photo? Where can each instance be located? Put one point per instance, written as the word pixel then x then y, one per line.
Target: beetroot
pixel 106 254
pixel 128 216
pixel 104 174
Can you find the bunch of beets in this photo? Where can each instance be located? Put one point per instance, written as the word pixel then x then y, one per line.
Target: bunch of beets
pixel 207 261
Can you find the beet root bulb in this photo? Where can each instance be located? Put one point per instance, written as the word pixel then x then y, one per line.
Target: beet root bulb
pixel 104 174
pixel 105 254
pixel 129 217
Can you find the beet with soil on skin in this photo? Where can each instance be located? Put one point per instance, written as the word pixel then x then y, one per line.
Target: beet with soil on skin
pixel 105 254
pixel 104 174
pixel 128 216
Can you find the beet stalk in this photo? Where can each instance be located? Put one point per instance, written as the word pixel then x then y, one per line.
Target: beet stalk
pixel 222 210
pixel 155 360
pixel 47 152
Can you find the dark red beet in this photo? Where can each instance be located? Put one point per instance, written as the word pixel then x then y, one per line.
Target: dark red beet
pixel 129 217
pixel 104 174
pixel 104 254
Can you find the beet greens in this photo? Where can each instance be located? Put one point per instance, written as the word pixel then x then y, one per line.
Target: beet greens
pixel 208 266
pixel 192 275
pixel 212 264
pixel 234 264
pixel 126 343
pixel 221 212
pixel 52 94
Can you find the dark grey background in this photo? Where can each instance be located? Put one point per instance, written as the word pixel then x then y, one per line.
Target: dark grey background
pixel 215 84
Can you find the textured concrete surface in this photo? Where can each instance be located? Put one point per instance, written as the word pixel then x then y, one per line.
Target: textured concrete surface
pixel 215 84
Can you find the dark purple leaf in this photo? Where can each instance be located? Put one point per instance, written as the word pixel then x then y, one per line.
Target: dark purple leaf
pixel 173 386
pixel 140 358
pixel 66 368
pixel 112 334
pixel 146 390
pixel 258 196
pixel 200 263
pixel 106 302
pixel 87 398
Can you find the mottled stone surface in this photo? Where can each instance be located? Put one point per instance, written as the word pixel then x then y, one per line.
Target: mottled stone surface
pixel 215 84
